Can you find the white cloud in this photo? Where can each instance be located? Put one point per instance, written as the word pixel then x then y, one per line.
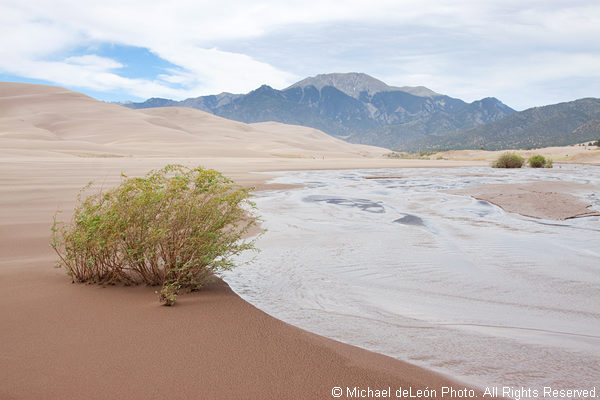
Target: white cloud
pixel 216 71
pixel 31 34
pixel 93 62
pixel 479 47
pixel 92 77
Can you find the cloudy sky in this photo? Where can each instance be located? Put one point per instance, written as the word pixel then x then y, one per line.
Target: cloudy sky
pixel 525 52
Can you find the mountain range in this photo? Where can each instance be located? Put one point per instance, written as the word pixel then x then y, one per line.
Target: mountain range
pixel 554 125
pixel 361 109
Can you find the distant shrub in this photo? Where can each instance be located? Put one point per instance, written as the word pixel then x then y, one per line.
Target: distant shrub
pixel 175 227
pixel 509 160
pixel 539 161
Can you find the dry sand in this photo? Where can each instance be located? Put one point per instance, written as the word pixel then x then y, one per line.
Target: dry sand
pixel 66 341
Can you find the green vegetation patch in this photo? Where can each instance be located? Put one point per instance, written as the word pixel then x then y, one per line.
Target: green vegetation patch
pixel 539 161
pixel 509 160
pixel 176 227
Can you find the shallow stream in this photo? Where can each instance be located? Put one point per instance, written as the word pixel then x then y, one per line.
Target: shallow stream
pixel 454 284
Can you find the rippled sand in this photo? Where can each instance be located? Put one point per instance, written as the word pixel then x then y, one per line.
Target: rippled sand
pixel 401 266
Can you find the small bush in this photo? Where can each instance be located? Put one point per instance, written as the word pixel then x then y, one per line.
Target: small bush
pixel 176 227
pixel 537 161
pixel 509 160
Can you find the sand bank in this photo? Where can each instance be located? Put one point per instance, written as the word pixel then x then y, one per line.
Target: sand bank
pixel 548 200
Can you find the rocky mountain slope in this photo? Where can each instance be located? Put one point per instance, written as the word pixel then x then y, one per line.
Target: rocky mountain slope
pixel 554 125
pixel 352 106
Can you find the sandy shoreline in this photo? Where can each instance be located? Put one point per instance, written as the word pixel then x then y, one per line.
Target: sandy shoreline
pixel 63 340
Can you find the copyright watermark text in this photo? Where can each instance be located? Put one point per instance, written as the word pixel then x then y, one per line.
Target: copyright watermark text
pixel 449 392
pixel 357 392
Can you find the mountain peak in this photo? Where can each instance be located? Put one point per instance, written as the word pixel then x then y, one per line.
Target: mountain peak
pixel 353 83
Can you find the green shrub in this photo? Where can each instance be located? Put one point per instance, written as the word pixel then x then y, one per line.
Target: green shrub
pixel 509 160
pixel 537 161
pixel 176 227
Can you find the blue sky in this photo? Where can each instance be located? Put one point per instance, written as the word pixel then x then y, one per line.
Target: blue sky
pixel 526 53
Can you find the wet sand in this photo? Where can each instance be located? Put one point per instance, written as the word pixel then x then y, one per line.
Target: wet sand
pixel 548 200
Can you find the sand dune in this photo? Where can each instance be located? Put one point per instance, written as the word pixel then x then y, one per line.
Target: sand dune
pixel 54 121
pixel 58 114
